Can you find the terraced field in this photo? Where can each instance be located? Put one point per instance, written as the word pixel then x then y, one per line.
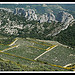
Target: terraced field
pixel 59 56
pixel 2 47
pixel 32 51
pixel 26 48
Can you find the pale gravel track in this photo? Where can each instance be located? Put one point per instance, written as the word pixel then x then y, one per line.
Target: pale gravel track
pixel 9 48
pixel 45 52
pixel 14 42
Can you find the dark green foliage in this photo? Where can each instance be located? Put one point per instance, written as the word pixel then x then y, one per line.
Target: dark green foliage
pixel 7 41
pixel 67 36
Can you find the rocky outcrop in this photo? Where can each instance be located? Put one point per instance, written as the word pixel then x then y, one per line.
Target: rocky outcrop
pixel 42 18
pixel 31 15
pixel 65 20
pixel 51 17
pixel 12 25
pixel 64 17
pixel 19 11
pixel 47 17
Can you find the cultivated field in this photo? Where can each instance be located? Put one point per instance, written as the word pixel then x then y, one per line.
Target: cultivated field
pixel 32 51
pixel 59 56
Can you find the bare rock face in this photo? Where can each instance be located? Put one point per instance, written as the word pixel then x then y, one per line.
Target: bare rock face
pixel 51 17
pixel 43 18
pixel 19 11
pixel 29 14
pixel 47 17
pixel 64 17
pixel 65 20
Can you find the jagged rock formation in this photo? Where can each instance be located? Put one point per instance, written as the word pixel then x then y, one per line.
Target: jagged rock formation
pixel 47 18
pixel 32 24
pixel 63 16
pixel 19 11
pixel 29 14
pixel 43 18
pixel 51 17
pixel 65 20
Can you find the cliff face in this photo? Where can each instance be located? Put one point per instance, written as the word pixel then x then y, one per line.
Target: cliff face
pixel 30 14
pixel 47 17
pixel 27 22
pixel 65 20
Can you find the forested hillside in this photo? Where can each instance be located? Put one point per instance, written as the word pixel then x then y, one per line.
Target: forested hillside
pixel 67 36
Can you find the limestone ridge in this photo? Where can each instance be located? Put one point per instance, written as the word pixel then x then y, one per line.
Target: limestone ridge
pixel 32 23
pixel 65 19
pixel 30 14
pixel 47 17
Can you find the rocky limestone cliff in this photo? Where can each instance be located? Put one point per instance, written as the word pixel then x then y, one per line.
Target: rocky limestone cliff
pixel 30 14
pixel 65 20
pixel 47 17
pixel 64 16
pixel 32 24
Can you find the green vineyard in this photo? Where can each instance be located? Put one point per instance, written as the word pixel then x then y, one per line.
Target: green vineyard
pixel 47 54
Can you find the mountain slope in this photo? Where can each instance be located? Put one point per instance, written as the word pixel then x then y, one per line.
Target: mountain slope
pixel 67 36
pixel 27 23
pixel 18 25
